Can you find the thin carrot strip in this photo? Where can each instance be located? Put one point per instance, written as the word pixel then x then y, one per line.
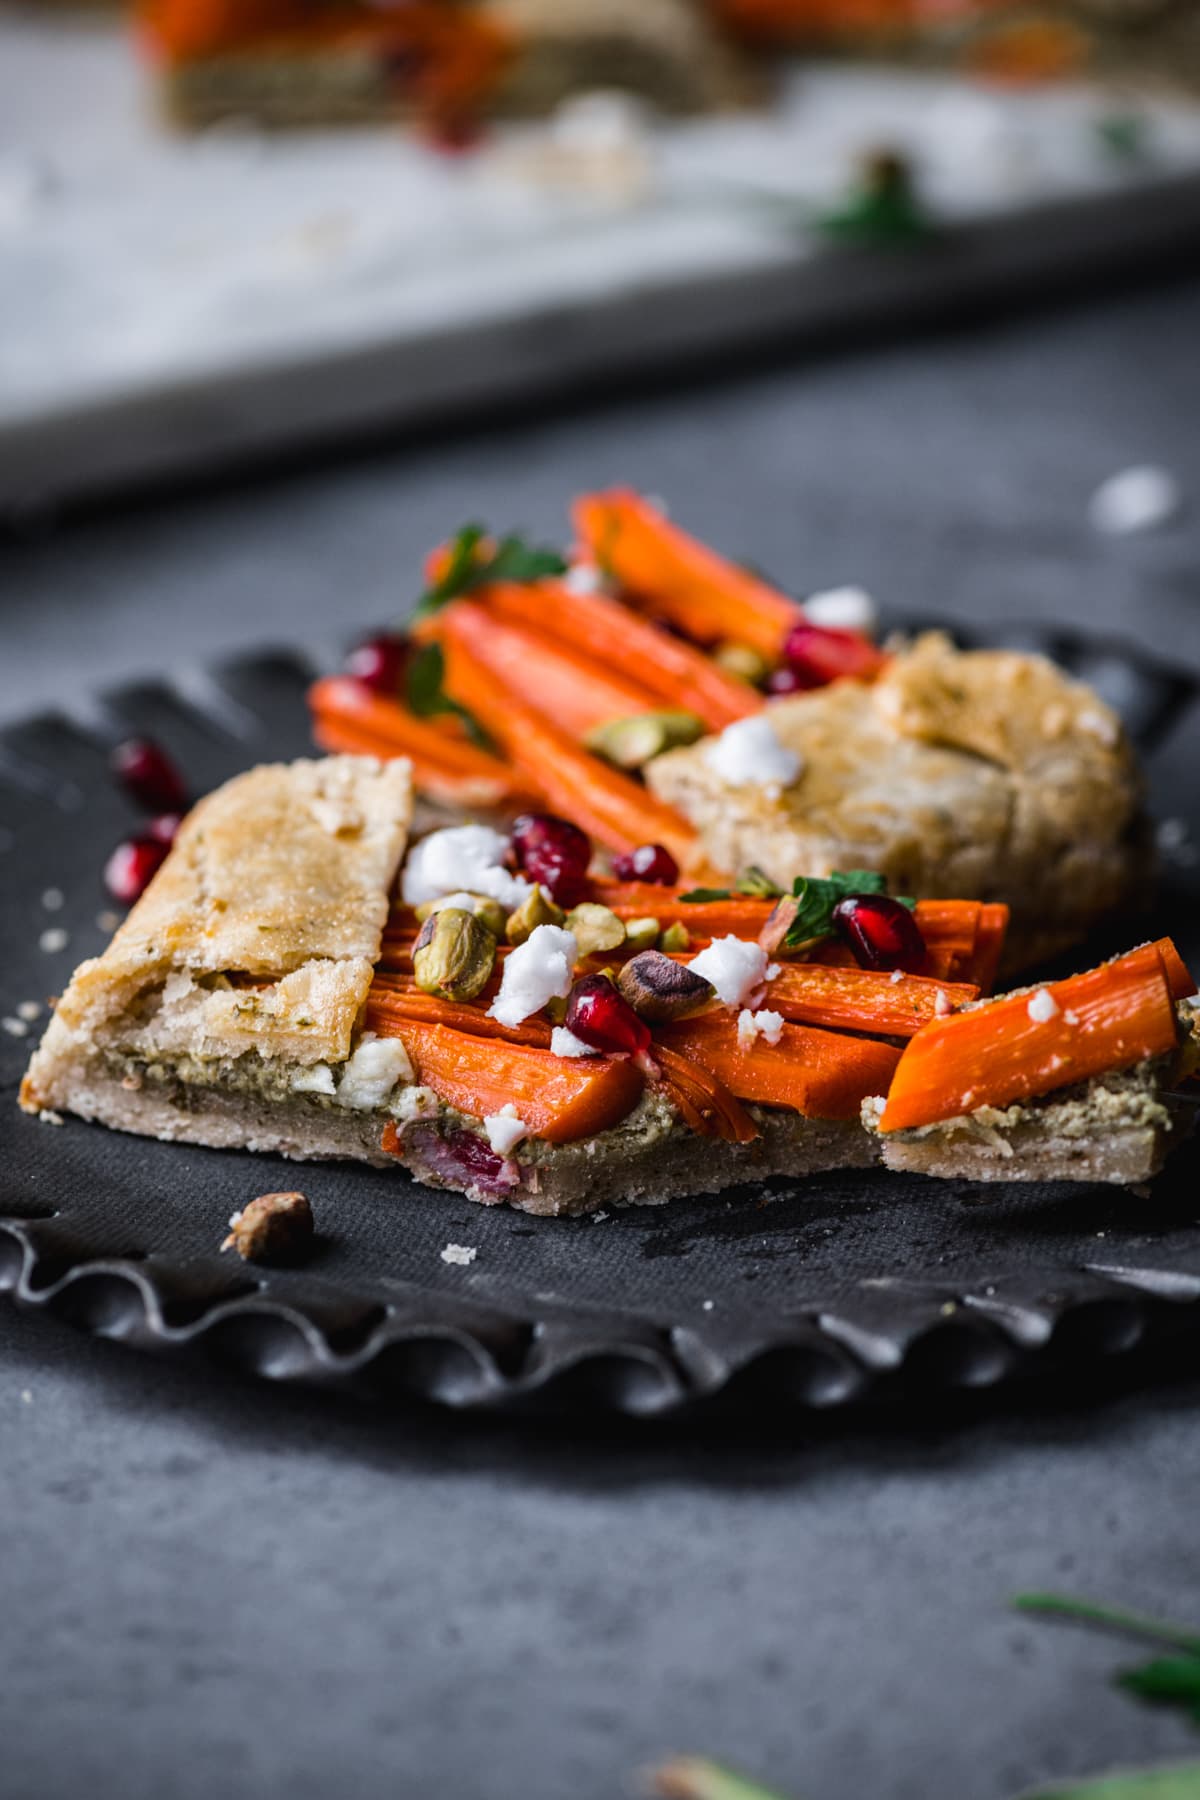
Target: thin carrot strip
pixel 818 1073
pixel 560 1099
pixel 1179 978
pixel 347 718
pixel 862 1000
pixel 989 946
pixel 564 685
pixel 664 570
pixel 706 1104
pixel 1002 1053
pixel 607 805
pixel 613 636
pixel 388 1012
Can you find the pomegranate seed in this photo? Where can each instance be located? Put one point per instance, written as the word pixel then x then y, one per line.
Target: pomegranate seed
pixel 882 933
pixel 555 853
pixel 819 655
pixel 598 1015
pixel 788 681
pixel 649 862
pixel 379 663
pixel 128 871
pixel 149 775
pixel 165 829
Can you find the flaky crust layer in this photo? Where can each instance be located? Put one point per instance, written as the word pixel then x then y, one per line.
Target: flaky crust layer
pixel 260 931
pixel 985 775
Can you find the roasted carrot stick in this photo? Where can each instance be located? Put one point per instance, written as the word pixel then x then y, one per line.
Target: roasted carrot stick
pixel 609 806
pixel 706 1104
pixel 818 1073
pixel 559 1098
pixel 1004 1053
pixel 1179 978
pixel 388 1009
pixel 861 999
pixel 564 685
pixel 614 637
pixel 704 918
pixel 663 570
pixel 348 716
pixel 989 947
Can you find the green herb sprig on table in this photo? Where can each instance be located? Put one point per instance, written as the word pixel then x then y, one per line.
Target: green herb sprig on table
pixel 474 563
pixel 1172 1680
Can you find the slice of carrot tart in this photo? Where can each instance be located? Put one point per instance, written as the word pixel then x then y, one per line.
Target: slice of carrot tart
pixel 494 1013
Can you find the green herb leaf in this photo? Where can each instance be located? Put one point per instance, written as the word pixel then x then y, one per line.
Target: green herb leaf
pixel 1168 1681
pixel 695 1778
pixel 818 895
pixel 426 696
pixel 469 568
pixel 1174 1781
pixel 1064 1606
pixel 697 896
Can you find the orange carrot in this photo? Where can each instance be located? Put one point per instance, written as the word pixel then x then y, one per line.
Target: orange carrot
pixel 706 1104
pixel 395 1000
pixel 704 918
pixel 1001 1054
pixel 862 999
pixel 348 716
pixel 818 1073
pixel 559 1098
pixel 1179 978
pixel 989 946
pixel 608 805
pixel 614 637
pixel 663 570
pixel 564 685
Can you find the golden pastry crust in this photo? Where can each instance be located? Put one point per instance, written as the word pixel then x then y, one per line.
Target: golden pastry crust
pixel 260 931
pixel 960 774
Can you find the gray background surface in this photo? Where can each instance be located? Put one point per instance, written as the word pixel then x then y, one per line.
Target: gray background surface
pixel 211 1587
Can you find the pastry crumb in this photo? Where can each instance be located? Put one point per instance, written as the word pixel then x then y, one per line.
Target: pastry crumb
pixel 29 1010
pixel 47 1116
pixel 273 1228
pixel 53 939
pixel 15 1027
pixel 461 1255
pixel 107 920
pixel 53 899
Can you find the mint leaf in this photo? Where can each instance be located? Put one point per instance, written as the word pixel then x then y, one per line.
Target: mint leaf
pixel 817 895
pixel 1167 1681
pixel 469 568
pixel 1174 1781
pixel 426 696
pixel 697 896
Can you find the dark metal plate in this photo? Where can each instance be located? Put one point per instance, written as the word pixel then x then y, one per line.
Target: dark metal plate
pixel 807 1295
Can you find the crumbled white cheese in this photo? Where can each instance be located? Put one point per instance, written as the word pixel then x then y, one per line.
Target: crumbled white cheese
pixel 772 970
pixel 372 1072
pixel 505 1130
pixel 1072 1018
pixel 895 976
pixel 53 899
pixel 749 753
pixel 53 940
pixel 29 1010
pixel 48 1117
pixel 584 578
pixel 751 1025
pixel 535 972
pixel 462 1255
pixel 461 859
pixel 413 1103
pixel 733 966
pixel 15 1027
pixel 843 609
pixel 1043 1007
pixel 463 901
pixel 942 1004
pixel 317 1080
pixel 1135 499
pixel 565 1043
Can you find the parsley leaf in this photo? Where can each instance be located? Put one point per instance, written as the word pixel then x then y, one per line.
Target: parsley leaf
pixel 1167 1681
pixel 426 696
pixel 697 896
pixel 473 563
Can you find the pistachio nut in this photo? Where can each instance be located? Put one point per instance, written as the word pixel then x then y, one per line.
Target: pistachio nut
pixel 633 742
pixel 659 989
pixel 489 912
pixel 453 955
pixel 641 934
pixel 675 938
pixel 778 923
pixel 595 928
pixel 537 908
pixel 744 661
